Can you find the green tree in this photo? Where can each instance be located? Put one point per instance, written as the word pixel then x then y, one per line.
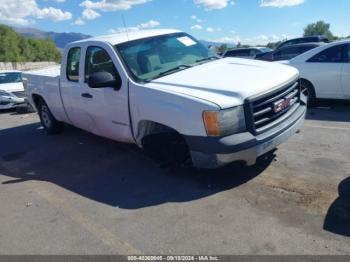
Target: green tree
pixel 9 48
pixel 319 28
pixel 16 48
pixel 27 52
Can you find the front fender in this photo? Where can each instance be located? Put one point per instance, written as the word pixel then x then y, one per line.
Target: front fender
pixel 182 113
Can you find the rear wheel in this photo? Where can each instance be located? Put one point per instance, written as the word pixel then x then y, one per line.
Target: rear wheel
pixel 48 121
pixel 308 90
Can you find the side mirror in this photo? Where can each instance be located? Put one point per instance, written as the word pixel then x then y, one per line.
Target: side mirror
pixel 104 79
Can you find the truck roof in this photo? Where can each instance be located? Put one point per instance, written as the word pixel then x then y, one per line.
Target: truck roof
pixel 123 37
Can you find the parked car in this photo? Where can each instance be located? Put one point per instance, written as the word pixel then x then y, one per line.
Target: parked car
pixel 287 52
pixel 305 39
pixel 162 90
pixel 11 89
pixel 325 71
pixel 247 52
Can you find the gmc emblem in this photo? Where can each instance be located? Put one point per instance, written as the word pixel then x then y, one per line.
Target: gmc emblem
pixel 283 104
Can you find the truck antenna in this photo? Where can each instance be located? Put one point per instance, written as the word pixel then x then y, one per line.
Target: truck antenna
pixel 125 27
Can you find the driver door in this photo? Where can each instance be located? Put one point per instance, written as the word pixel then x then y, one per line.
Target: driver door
pixel 107 107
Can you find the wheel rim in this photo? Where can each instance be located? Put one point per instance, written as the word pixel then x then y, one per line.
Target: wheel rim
pixel 45 116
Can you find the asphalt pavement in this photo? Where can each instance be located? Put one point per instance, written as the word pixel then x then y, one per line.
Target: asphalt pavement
pixel 76 193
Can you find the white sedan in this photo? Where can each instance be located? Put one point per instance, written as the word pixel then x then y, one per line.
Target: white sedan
pixel 11 89
pixel 325 71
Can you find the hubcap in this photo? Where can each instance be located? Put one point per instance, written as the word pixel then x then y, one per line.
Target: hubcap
pixel 45 116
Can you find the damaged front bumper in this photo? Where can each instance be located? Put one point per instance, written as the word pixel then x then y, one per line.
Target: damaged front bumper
pixel 11 101
pixel 211 152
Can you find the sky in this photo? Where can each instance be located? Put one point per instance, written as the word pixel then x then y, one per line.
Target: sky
pixel 245 21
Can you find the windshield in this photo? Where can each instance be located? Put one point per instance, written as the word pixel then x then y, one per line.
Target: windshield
pixel 150 58
pixel 6 78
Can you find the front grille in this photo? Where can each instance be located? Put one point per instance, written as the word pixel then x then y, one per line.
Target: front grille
pixel 270 110
pixel 19 94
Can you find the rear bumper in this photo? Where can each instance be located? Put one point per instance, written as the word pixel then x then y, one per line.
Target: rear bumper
pixel 211 152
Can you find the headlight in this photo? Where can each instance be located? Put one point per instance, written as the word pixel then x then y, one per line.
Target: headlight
pixel 225 122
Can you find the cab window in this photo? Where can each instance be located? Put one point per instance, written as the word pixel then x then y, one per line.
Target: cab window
pixel 98 60
pixel 73 61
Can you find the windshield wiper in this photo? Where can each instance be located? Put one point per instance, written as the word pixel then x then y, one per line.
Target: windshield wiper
pixel 181 67
pixel 207 59
pixel 173 70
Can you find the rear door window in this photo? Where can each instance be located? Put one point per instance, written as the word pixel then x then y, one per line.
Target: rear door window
pixel 73 64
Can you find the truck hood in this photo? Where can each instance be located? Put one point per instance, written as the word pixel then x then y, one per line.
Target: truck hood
pixel 227 82
pixel 12 87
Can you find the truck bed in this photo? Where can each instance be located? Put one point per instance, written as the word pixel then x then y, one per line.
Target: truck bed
pixel 43 81
pixel 53 72
pixel 46 83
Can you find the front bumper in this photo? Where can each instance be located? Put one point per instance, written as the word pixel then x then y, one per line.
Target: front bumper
pixel 10 102
pixel 211 152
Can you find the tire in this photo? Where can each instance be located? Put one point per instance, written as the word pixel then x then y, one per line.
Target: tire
pixel 308 90
pixel 168 149
pixel 48 121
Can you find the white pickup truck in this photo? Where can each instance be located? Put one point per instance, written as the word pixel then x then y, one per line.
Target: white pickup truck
pixel 166 92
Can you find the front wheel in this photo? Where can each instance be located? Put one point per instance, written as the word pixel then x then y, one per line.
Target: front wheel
pixel 48 121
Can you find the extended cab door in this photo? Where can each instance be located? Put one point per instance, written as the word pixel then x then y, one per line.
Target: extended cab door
pixel 72 88
pixel 107 107
pixel 346 74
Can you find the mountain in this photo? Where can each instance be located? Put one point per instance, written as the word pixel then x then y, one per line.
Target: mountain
pixel 60 39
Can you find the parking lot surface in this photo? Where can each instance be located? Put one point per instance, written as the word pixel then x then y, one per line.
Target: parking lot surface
pixel 76 193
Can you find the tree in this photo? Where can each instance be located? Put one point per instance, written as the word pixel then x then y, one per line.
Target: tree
pixel 9 49
pixel 16 48
pixel 319 28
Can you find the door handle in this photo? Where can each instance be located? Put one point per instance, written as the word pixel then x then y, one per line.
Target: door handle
pixel 86 95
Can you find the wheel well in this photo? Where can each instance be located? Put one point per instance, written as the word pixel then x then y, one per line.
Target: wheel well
pixel 307 82
pixel 150 128
pixel 164 144
pixel 37 99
